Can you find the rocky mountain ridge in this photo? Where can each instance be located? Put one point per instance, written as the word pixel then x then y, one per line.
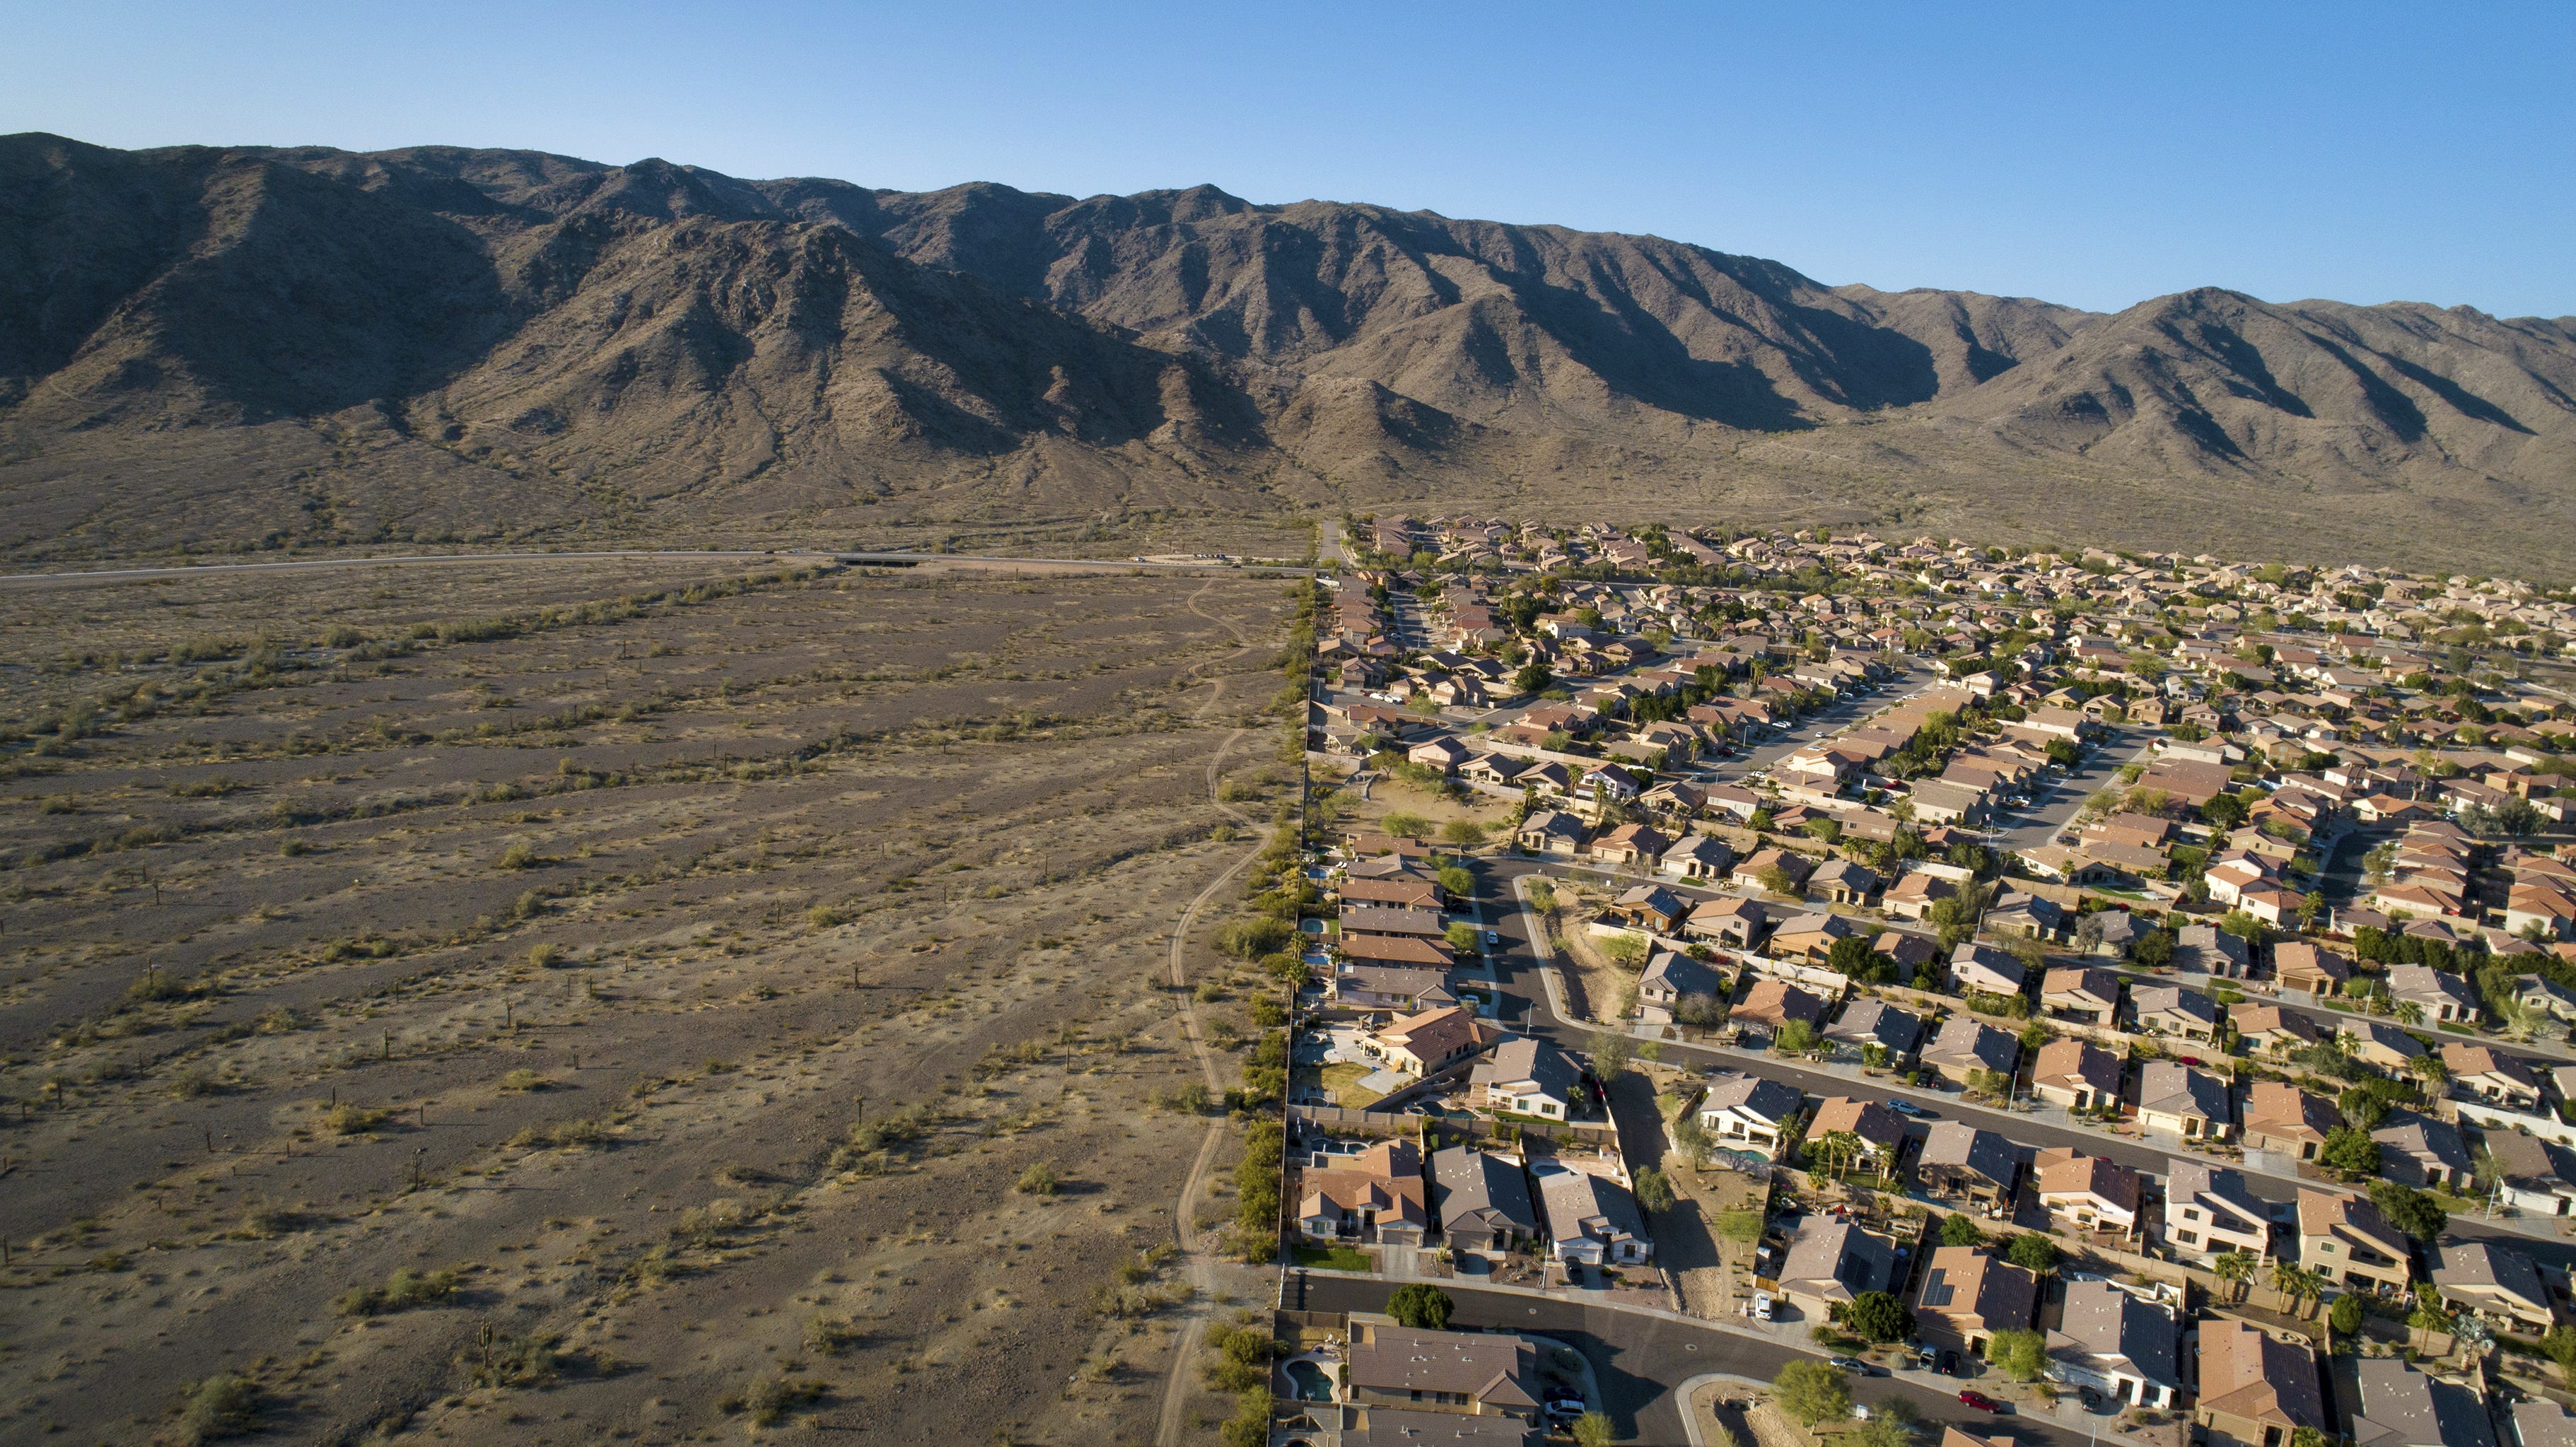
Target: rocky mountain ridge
pixel 205 346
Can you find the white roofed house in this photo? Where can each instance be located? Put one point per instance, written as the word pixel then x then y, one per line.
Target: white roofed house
pixel 1978 967
pixel 2173 1010
pixel 2209 1211
pixel 2497 1282
pixel 1749 1112
pixel 2439 994
pixel 1670 978
pixel 2191 1103
pixel 1591 1219
pixel 2117 1343
pixel 1527 1076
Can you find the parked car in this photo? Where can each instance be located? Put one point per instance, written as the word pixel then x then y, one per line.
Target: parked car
pixel 1762 1306
pixel 1849 1364
pixel 1980 1401
pixel 1949 1366
pixel 1570 1406
pixel 1904 1107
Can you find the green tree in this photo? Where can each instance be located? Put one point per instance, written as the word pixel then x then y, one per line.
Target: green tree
pixel 1406 826
pixel 1879 1317
pixel 2560 1344
pixel 2235 1268
pixel 1593 1429
pixel 1463 937
pixel 1457 883
pixel 1251 938
pixel 1811 1392
pixel 1958 1229
pixel 1611 1052
pixel 1462 833
pixel 1796 1037
pixel 2019 1354
pixel 2345 1315
pixel 1691 1139
pixel 2409 1210
pixel 1654 1191
pixel 1421 1306
pixel 2033 1252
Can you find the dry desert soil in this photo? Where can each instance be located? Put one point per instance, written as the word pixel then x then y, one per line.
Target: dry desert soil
pixel 615 1000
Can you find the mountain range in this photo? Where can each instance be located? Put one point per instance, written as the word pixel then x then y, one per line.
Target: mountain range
pixel 213 348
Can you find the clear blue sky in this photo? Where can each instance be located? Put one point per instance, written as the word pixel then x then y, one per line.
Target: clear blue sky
pixel 2086 152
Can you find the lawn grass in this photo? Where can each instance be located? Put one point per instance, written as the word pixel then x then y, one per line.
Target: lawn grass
pixel 1335 1258
pixel 1343 1080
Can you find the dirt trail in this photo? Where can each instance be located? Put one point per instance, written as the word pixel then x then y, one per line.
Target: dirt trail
pixel 1191 1241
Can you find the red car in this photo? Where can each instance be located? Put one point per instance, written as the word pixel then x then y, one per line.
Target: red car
pixel 1980 1401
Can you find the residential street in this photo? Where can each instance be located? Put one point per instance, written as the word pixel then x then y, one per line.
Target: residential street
pixel 1639 1358
pixel 1531 1013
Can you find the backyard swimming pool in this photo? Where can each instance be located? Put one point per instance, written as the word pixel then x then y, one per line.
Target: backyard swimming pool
pixel 1310 1381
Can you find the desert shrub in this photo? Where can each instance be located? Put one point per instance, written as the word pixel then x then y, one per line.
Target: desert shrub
pixel 775 1397
pixel 402 1291
pixel 349 1119
pixel 832 1336
pixel 1190 1099
pixel 1252 937
pixel 519 1081
pixel 1039 1179
pixel 562 1133
pixel 520 854
pixel 545 956
pixel 500 1360
pixel 218 1407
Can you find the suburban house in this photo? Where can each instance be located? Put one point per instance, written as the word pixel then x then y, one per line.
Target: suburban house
pixel 1639 844
pixel 2089 995
pixel 1698 857
pixel 2192 1103
pixel 1527 1076
pixel 2375 1042
pixel 2092 1192
pixel 1670 978
pixel 1396 950
pixel 2117 1343
pixel 1913 895
pixel 1864 1023
pixel 1750 872
pixel 2497 1282
pixel 2270 1028
pixel 1479 1373
pixel 1483 1200
pixel 2173 1010
pixel 1592 1219
pixel 1830 1262
pixel 1978 967
pixel 1414 989
pixel 2076 1074
pixel 1966 1044
pixel 1772 1004
pixel 2537 1422
pixel 1810 937
pixel 1650 907
pixel 2299 965
pixel 2418 1150
pixel 1551 832
pixel 2397 1406
pixel 1748 1112
pixel 1968 1296
pixel 2345 1240
pixel 1377 1195
pixel 2256 1390
pixel 2281 1117
pixel 1880 1130
pixel 2208 950
pixel 1962 1162
pixel 2441 995
pixel 2538 1176
pixel 2490 1075
pixel 1425 1044
pixel 1840 881
pixel 2019 915
pixel 1939 803
pixel 1728 921
pixel 2209 1212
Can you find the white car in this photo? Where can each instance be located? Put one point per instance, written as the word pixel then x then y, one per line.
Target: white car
pixel 1762 1306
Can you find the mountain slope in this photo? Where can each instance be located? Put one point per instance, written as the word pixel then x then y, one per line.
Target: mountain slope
pixel 211 346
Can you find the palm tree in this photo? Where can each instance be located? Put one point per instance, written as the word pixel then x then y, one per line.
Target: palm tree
pixel 2296 1283
pixel 2409 1013
pixel 2236 1268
